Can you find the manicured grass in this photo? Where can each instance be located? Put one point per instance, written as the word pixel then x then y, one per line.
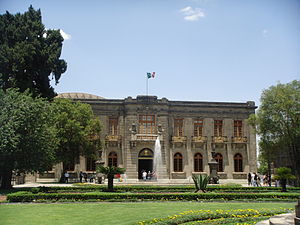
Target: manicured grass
pixel 110 213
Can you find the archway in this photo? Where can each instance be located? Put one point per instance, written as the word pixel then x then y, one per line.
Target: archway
pixel 145 161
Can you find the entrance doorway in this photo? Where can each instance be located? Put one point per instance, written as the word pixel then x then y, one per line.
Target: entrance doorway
pixel 145 161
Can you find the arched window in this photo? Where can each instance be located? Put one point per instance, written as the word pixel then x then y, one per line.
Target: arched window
pixel 113 159
pixel 198 162
pixel 238 162
pixel 219 159
pixel 177 162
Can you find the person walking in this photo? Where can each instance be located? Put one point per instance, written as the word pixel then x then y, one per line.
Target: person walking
pixel 80 176
pixel 144 175
pixel 67 175
pixel 249 178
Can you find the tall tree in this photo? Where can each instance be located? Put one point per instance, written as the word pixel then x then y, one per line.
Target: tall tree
pixel 29 53
pixel 78 130
pixel 27 135
pixel 278 122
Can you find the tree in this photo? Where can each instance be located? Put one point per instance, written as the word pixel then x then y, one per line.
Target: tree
pixel 283 174
pixel 78 130
pixel 278 122
pixel 29 53
pixel 110 172
pixel 27 134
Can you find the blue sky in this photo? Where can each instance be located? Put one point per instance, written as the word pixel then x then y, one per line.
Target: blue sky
pixel 204 50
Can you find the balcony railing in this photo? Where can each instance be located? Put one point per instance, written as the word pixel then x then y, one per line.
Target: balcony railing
pixel 113 138
pixel 178 139
pixel 144 137
pixel 239 139
pixel 219 139
pixel 199 139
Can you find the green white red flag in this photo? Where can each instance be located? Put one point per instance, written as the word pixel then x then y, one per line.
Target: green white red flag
pixel 150 75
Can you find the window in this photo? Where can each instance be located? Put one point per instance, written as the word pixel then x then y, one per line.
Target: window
pixel 219 159
pixel 147 124
pixel 90 164
pixel 113 159
pixel 113 126
pixel 198 125
pixel 238 163
pixel 218 128
pixel 198 162
pixel 177 162
pixel 178 127
pixel 238 128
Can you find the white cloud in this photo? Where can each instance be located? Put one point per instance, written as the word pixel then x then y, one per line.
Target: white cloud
pixel 65 35
pixel 192 14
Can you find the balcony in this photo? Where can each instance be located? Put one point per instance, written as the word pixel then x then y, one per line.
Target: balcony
pixel 199 139
pixel 239 139
pixel 219 139
pixel 144 138
pixel 113 140
pixel 178 141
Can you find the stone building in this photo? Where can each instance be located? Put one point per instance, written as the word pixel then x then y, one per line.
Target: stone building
pixel 189 131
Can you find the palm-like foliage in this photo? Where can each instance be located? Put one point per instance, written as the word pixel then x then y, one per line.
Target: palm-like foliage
pixel 110 172
pixel 201 182
pixel 283 174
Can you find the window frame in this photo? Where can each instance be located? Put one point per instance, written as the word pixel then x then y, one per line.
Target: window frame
pixel 219 158
pixel 112 159
pixel 237 128
pixel 198 162
pixel 178 127
pixel 198 127
pixel 178 162
pixel 147 124
pixel 113 125
pixel 238 162
pixel 218 128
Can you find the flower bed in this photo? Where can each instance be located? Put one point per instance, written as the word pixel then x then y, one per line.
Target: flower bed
pixel 103 196
pixel 216 216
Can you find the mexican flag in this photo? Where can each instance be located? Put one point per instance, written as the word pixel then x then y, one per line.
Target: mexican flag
pixel 149 75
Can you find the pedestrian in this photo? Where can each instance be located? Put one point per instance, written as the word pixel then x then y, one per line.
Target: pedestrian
pixel 258 181
pixel 80 176
pixel 255 180
pixel 149 175
pixel 92 178
pixel 85 177
pixel 249 179
pixel 67 175
pixel 144 175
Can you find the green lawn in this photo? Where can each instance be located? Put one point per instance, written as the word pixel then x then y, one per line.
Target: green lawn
pixel 109 213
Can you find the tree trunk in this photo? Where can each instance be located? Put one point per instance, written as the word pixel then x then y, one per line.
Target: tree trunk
pixel 283 185
pixel 110 184
pixel 6 177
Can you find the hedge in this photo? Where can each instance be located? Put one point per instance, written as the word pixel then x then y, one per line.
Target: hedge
pixel 100 196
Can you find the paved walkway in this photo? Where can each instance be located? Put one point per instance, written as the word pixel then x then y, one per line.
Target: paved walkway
pixel 50 183
pixel 282 219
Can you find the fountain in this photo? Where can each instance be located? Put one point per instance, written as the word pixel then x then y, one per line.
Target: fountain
pixel 157 162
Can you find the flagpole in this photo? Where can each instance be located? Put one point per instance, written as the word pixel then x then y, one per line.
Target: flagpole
pixel 147 84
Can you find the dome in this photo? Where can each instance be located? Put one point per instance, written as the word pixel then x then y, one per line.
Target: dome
pixel 78 95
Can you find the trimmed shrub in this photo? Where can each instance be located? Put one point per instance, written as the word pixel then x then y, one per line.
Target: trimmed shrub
pixel 29 197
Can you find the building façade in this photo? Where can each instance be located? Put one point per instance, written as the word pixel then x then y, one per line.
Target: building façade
pixel 189 131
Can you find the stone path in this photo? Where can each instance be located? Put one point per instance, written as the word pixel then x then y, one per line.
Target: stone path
pixel 282 219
